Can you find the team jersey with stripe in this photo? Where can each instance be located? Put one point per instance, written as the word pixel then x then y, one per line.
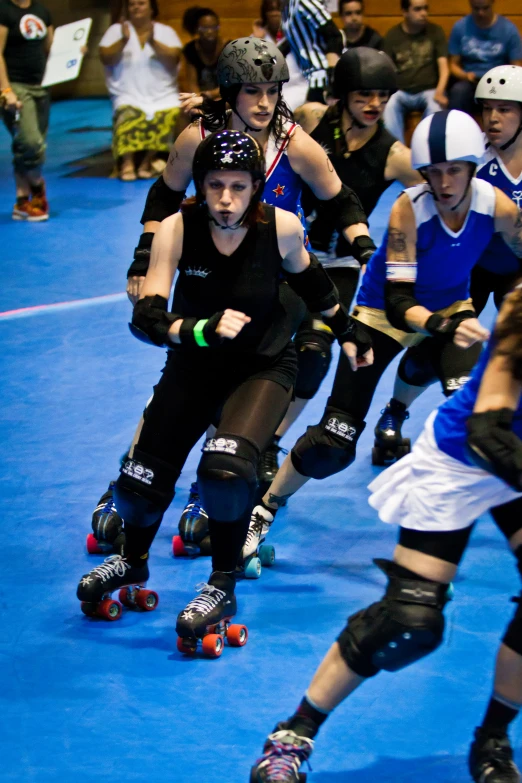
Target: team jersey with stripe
pixel 444 258
pixel 498 257
pixel 300 22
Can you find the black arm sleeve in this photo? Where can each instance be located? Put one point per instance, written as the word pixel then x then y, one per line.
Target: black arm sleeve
pixel 398 298
pixel 284 47
pixel 314 286
pixel 161 202
pixel 330 38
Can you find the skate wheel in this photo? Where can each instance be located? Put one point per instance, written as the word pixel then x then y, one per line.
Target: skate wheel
pixel 378 457
pixel 184 646
pixel 212 645
pixel 178 547
pixel 92 545
pixel 109 609
pixel 267 555
pixel 253 568
pixel 125 597
pixel 147 600
pixel 237 635
pixel 88 609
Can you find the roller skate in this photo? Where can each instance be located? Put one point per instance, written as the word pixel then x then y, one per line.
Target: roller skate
pixel 96 587
pixel 491 759
pixel 107 527
pixel 255 554
pixel 268 467
pixel 389 444
pixel 283 754
pixel 206 619
pixel 193 538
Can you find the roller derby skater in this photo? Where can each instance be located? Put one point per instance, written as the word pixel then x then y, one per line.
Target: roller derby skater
pixel 467 460
pixel 389 444
pixel 247 360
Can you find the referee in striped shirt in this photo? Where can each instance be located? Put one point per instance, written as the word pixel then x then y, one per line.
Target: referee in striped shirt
pixel 314 40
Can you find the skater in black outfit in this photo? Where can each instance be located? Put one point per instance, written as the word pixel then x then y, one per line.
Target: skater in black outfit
pixel 228 326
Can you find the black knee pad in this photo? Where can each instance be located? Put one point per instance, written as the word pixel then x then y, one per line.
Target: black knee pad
pixel 513 636
pixel 451 385
pixel 327 447
pixel 416 368
pixel 406 625
pixel 314 354
pixel 144 489
pixel 227 476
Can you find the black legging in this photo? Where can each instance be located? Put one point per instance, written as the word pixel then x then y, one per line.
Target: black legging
pixel 483 283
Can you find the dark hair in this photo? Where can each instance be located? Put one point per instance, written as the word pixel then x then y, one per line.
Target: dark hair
pixel 508 332
pixel 153 7
pixel 266 6
pixel 255 215
pixel 192 16
pixel 342 3
pixel 405 5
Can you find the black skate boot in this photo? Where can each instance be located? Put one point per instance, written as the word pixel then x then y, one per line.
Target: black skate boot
pixel 268 467
pixel 96 587
pixel 491 758
pixel 283 754
pixel 389 444
pixel 193 538
pixel 207 618
pixel 107 527
pixel 255 554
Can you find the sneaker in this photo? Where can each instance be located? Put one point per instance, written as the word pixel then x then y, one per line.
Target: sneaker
pixel 491 759
pixel 283 754
pixel 39 208
pixel 28 210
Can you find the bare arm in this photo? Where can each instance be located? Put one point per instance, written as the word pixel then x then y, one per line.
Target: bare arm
pixel 458 71
pixel 49 39
pixel 4 79
pixel 398 166
pixel 188 77
pixel 443 67
pixel 508 221
pixel 309 115
pixel 169 56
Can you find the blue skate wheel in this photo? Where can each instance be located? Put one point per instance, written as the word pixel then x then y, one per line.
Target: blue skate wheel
pixel 253 568
pixel 267 555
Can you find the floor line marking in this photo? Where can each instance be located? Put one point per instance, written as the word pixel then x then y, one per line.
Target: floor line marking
pixel 25 312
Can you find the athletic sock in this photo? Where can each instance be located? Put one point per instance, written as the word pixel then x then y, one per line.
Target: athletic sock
pixel 308 718
pixel 138 541
pixel 499 714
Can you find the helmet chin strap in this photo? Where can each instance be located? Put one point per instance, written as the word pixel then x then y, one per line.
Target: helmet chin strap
pixel 513 139
pixel 247 128
pixel 353 118
pixel 233 227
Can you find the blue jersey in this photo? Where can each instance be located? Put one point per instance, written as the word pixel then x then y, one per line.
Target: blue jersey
pixel 444 259
pixel 498 257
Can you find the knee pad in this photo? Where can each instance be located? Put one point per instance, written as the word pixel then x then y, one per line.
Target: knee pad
pixel 451 385
pixel 406 625
pixel 227 476
pixel 327 447
pixel 513 636
pixel 416 368
pixel 314 354
pixel 144 489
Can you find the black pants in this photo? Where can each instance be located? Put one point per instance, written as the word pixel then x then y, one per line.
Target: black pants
pixel 483 283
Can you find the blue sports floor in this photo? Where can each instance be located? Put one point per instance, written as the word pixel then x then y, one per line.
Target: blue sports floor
pixel 84 700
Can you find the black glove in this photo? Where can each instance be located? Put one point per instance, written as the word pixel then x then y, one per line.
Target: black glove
pixel 363 248
pixel 189 337
pixel 493 446
pixel 347 329
pixel 445 327
pixel 140 264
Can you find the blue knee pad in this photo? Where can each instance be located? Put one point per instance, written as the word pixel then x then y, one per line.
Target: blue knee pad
pixel 327 447
pixel 314 354
pixel 144 489
pixel 227 476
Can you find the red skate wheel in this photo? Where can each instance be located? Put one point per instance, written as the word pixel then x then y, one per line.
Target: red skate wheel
pixel 184 646
pixel 237 635
pixel 212 645
pixel 147 600
pixel 178 547
pixel 126 598
pixel 109 609
pixel 88 609
pixel 92 545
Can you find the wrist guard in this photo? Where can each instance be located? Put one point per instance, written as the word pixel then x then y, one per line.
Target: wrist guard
pixel 200 332
pixel 346 208
pixel 314 286
pixel 347 330
pixel 161 202
pixel 151 321
pixel 493 446
pixel 140 264
pixel 439 326
pixel 363 248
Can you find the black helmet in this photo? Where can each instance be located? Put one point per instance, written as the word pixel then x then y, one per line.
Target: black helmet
pixel 363 68
pixel 229 150
pixel 251 61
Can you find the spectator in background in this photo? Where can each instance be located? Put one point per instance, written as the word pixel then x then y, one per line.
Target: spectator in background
pixel 201 54
pixel 419 52
pixel 355 32
pixel 26 35
pixel 478 42
pixel 141 58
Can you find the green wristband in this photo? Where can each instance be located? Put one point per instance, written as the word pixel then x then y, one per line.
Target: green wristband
pixel 198 333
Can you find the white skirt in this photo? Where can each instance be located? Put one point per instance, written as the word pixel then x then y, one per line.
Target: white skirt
pixel 429 490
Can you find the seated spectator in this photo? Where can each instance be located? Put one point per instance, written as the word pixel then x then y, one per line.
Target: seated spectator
pixel 140 58
pixel 478 42
pixel 355 32
pixel 200 55
pixel 418 49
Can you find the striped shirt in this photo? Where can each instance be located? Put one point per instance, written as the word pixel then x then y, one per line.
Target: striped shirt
pixel 301 21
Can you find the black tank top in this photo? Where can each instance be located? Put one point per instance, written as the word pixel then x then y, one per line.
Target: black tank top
pixel 362 170
pixel 247 281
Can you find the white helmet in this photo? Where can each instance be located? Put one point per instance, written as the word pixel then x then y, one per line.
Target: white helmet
pixel 445 136
pixel 503 83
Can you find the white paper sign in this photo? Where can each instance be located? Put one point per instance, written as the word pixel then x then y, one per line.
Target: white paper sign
pixel 65 58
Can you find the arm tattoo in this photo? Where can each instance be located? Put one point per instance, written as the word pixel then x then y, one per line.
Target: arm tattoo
pixel 329 165
pixel 515 239
pixel 397 245
pixel 278 500
pixel 174 155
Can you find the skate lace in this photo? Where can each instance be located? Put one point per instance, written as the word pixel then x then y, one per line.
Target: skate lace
pixel 208 599
pixel 500 758
pixel 269 459
pixel 194 507
pixel 108 507
pixel 388 422
pixel 115 565
pixel 283 759
pixel 256 527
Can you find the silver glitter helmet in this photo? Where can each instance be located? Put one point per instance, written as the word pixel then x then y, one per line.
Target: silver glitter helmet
pixel 251 61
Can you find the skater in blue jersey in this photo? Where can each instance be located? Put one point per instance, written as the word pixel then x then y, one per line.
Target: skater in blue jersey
pixel 468 460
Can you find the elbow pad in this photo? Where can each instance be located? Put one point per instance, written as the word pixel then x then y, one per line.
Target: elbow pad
pixel 141 261
pixel 151 321
pixel 161 202
pixel 346 208
pixel 330 38
pixel 398 299
pixel 314 287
